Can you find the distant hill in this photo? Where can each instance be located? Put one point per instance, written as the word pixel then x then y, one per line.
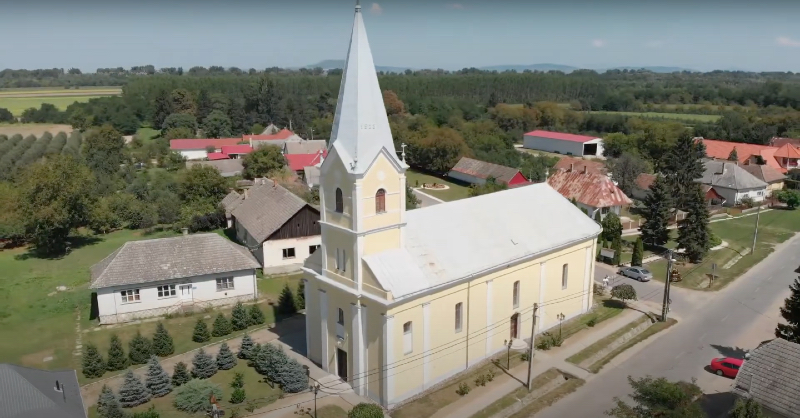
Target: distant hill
pixel 332 64
pixel 531 67
pixel 656 69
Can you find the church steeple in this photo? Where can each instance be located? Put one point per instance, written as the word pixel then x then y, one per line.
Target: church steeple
pixel 360 127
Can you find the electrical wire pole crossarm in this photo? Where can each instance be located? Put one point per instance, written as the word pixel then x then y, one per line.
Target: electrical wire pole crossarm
pixel 533 346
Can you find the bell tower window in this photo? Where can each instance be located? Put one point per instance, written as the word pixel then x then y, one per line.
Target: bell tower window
pixel 339 201
pixel 380 201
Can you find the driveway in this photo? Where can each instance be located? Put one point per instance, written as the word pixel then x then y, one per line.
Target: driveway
pixel 426 199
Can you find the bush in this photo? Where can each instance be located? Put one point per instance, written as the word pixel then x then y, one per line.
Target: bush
pixel 162 342
pixel 221 326
pixel 150 413
pixel 463 389
pixel 238 380
pixel 300 296
pixel 92 362
pixel 139 349
pixel 714 240
pixel 157 380
pixel 791 198
pixel 193 396
pixel 246 347
pixel 747 202
pixel 480 380
pixel 239 317
pixel 180 374
pixel 225 358
pixel 256 316
pixel 203 366
pixel 237 396
pixel 133 392
pixel 623 292
pixel 116 355
pixel 592 321
pixel 365 410
pixel 201 333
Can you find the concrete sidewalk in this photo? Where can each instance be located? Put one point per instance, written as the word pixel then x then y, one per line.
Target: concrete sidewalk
pixel 542 361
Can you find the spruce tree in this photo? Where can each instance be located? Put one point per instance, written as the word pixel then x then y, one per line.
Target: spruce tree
pixel 157 379
pixel 616 245
pixel 733 156
pixel 638 252
pixel 139 349
pixel 180 374
pixel 791 313
pixel 116 355
pixel 693 233
pixel 254 353
pixel 276 364
pixel 246 347
pixel 256 316
pixel 162 342
pixel 237 396
pixel 221 326
pixel 266 360
pixel 225 358
pixel 682 165
pixel 133 392
pixel 203 365
pixel 92 364
pixel 286 304
pixel 292 377
pixel 657 207
pixel 300 296
pixel 239 318
pixel 107 404
pixel 201 333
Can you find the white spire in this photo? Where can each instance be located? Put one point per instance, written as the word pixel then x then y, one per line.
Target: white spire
pixel 360 126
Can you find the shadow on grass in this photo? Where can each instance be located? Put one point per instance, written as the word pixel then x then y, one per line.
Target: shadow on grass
pixel 73 243
pixel 505 370
pixel 717 405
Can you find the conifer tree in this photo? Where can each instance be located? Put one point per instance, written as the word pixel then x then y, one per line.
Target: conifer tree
pixel 225 358
pixel 694 235
pixel 116 355
pixel 300 296
pixel 616 245
pixel 246 347
pixel 92 364
pixel 221 326
pixel 598 217
pixel 657 207
pixel 638 252
pixel 180 374
pixel 256 316
pixel 254 353
pixel 201 333
pixel 157 379
pixel 139 349
pixel 162 342
pixel 292 376
pixel 133 392
pixel 203 365
pixel 239 318
pixel 612 227
pixel 277 360
pixel 791 313
pixel 733 156
pixel 107 404
pixel 682 165
pixel 286 302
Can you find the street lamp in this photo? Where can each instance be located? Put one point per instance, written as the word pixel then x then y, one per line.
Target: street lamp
pixel 507 343
pixel 560 318
pixel 315 388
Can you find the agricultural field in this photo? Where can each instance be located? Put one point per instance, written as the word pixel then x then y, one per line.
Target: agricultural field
pixel 35 129
pixel 18 151
pixel 657 115
pixel 17 100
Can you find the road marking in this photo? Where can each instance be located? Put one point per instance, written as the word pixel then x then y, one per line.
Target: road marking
pixel 768 278
pixel 724 318
pixel 758 288
pixel 679 355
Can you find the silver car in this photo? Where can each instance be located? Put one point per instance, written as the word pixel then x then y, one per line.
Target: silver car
pixel 638 273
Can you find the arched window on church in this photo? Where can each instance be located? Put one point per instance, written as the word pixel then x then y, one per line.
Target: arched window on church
pixel 380 201
pixel 339 201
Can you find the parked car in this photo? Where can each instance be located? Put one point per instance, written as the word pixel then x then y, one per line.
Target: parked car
pixel 638 273
pixel 726 366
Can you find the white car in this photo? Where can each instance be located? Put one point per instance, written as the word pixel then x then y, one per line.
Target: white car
pixel 638 273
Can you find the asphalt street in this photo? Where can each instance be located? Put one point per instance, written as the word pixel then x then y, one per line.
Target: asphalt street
pixel 711 324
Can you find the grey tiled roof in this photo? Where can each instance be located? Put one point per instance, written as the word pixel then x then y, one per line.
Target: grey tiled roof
pixel 772 377
pixel 764 173
pixel 266 208
pixel 231 201
pixel 484 170
pixel 227 168
pixel 729 175
pixel 305 147
pixel 160 259
pixel 30 393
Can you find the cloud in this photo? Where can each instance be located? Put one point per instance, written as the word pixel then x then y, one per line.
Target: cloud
pixel 786 41
pixel 654 44
pixel 598 43
pixel 456 6
pixel 376 9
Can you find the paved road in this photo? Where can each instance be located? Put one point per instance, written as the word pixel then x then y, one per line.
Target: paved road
pixel 426 199
pixel 723 323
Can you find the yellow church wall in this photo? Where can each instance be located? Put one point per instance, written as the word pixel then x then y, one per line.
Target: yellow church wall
pixel 370 284
pixel 381 175
pixel 336 176
pixel 313 327
pixel 381 241
pixel 567 301
pixel 343 241
pixel 373 376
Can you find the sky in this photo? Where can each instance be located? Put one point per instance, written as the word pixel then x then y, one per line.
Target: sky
pixel 451 34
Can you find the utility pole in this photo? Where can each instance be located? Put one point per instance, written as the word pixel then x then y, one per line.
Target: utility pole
pixel 665 308
pixel 533 345
pixel 755 234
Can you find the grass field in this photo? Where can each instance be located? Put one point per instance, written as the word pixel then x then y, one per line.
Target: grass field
pixel 455 192
pixel 17 105
pixel 36 129
pixel 656 115
pixel 17 100
pixel 52 91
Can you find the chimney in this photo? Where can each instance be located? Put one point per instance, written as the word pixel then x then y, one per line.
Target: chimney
pixel 571 167
pixel 185 231
pixel 584 169
pixel 246 193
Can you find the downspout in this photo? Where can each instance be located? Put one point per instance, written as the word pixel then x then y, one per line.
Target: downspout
pixel 469 302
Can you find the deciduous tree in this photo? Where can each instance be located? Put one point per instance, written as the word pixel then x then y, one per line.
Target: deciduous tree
pixel 623 292
pixel 266 161
pixel 746 408
pixel 182 101
pixel 365 410
pixel 102 148
pixel 180 121
pixel 612 227
pixel 490 186
pixel 626 169
pixel 394 106
pixel 217 125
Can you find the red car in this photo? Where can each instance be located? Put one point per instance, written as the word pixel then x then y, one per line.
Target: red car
pixel 726 366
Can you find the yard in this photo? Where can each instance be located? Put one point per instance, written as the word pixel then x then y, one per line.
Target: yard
pixel 455 191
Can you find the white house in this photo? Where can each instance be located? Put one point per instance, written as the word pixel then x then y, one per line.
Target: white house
pixel 732 182
pixel 159 276
pixel 563 143
pixel 197 149
pixel 279 228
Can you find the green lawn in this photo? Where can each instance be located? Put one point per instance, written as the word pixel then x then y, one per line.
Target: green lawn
pixel 514 397
pixel 258 391
pixel 657 115
pixel 18 104
pixel 651 330
pixel 147 134
pixel 55 91
pixel 455 192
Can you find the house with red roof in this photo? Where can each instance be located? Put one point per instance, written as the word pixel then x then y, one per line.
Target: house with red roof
pixel 278 139
pixel 563 143
pixel 472 171
pixel 298 162
pixel 592 192
pixel 197 149
pixel 236 151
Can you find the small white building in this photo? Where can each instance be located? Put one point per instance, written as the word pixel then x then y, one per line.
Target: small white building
pixel 279 228
pixel 563 143
pixel 159 276
pixel 197 149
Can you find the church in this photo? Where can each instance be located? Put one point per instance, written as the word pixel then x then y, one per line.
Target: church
pixel 399 301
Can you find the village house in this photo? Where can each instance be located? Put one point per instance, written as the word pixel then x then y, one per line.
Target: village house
pixel 770 376
pixel 782 154
pixel 226 166
pixel 34 393
pixel 774 178
pixel 279 228
pixel 197 149
pixel 644 181
pixel 314 146
pixel 563 143
pixel 472 171
pixel 578 164
pixel 236 151
pixel 594 193
pixel 298 162
pixel 731 182
pixel 159 276
pixel 390 287
pixel 278 139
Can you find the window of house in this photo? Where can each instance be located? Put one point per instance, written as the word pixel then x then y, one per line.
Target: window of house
pixel 339 201
pixel 312 248
pixel 380 201
pixel 288 253
pixel 604 210
pixel 166 291
pixel 224 283
pixel 129 296
pixel 458 316
pixel 408 343
pixel 515 295
pixel 564 276
pixel 340 324
pixel 340 317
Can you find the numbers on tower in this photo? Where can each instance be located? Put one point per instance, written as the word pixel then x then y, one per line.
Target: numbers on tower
pixel 367 126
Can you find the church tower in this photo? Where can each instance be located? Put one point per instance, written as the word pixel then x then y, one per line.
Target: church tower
pixel 363 183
